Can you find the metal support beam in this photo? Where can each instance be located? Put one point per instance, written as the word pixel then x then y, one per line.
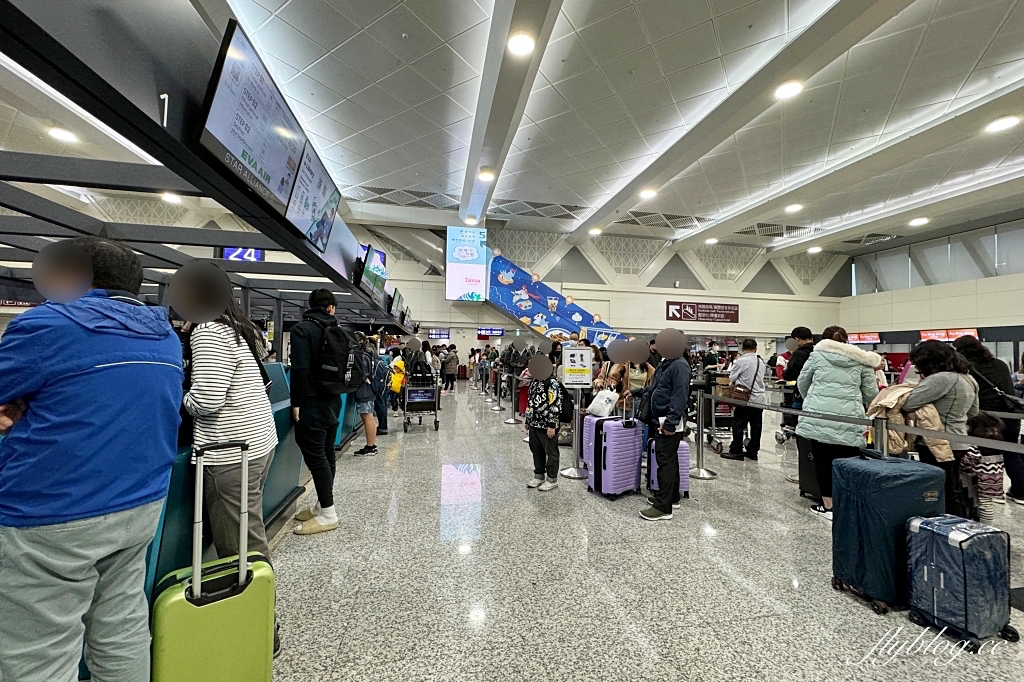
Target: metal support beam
pixel 78 172
pixel 278 342
pixel 26 202
pixel 504 90
pixel 246 300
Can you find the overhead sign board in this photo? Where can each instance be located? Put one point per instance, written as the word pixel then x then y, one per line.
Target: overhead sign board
pixel 577 367
pixel 439 334
pixel 682 311
pixel 864 338
pixel 490 331
pixel 466 261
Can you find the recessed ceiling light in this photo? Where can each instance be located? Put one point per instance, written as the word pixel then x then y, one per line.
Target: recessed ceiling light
pixel 520 44
pixel 63 135
pixel 1001 124
pixel 470 220
pixel 710 240
pixel 485 175
pixel 794 208
pixel 170 198
pixel 814 249
pixel 790 89
pixel 918 222
pixel 648 193
pixel 595 230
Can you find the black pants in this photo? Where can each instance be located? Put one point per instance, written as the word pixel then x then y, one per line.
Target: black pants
pixel 545 453
pixel 380 408
pixel 315 437
pixel 1013 461
pixel 824 455
pixel 742 416
pixel 449 382
pixel 956 502
pixel 666 451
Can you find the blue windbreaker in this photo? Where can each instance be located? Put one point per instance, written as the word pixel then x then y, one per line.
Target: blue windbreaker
pixel 102 378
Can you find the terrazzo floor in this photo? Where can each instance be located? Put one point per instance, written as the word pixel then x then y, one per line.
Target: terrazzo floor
pixel 446 567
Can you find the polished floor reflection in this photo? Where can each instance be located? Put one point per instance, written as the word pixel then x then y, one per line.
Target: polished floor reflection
pixel 446 567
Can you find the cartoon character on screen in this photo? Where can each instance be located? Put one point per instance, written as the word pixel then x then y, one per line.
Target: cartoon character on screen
pixel 320 231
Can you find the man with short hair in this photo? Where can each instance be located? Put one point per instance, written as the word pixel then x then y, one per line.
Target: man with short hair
pixel 89 401
pixel 654 359
pixel 748 372
pixel 711 356
pixel 315 411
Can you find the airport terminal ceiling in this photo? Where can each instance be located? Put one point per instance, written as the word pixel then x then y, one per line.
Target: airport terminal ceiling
pixel 721 145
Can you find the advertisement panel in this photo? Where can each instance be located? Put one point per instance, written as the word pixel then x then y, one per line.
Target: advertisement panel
pixel 466 258
pixel 314 203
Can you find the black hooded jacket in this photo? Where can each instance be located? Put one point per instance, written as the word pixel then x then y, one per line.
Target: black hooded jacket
pixel 306 340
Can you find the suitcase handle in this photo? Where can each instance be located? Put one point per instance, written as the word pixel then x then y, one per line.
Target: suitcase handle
pixel 196 590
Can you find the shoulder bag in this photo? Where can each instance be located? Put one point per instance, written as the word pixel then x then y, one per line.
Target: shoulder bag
pixel 1012 402
pixel 743 392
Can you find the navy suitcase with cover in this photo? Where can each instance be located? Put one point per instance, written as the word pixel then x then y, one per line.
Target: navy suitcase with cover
pixel 959 573
pixel 873 499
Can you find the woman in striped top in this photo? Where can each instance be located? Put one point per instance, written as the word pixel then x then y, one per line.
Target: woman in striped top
pixel 229 402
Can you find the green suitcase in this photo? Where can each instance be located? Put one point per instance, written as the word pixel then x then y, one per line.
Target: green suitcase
pixel 223 630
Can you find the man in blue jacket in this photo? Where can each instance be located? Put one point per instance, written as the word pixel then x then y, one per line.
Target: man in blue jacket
pixel 89 400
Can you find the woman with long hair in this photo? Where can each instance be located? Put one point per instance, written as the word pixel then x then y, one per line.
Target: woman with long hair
pixel 947 384
pixel 228 400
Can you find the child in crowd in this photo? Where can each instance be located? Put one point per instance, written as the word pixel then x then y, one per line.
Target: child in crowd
pixel 544 404
pixel 982 468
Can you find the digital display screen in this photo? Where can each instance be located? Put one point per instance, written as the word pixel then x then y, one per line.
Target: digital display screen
pixel 380 254
pixel 935 335
pixel 954 334
pixel 466 264
pixel 396 304
pixel 864 338
pixel 374 276
pixel 242 253
pixel 250 127
pixel 314 203
pixel 439 334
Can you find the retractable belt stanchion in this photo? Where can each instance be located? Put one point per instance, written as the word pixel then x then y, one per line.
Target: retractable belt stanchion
pixel 497 380
pixel 515 401
pixel 699 472
pixel 577 471
pixel 880 429
pixel 497 406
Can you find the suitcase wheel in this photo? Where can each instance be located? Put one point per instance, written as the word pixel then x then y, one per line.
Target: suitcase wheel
pixel 780 438
pixel 972 646
pixel 837 584
pixel 686 494
pixel 716 445
pixel 437 425
pixel 405 427
pixel 917 619
pixel 879 607
pixel 1010 634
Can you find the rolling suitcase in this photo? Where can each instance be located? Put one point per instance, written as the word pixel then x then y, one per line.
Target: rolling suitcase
pixel 684 468
pixel 221 628
pixel 587 441
pixel 463 372
pixel 959 573
pixel 872 501
pixel 807 474
pixel 616 457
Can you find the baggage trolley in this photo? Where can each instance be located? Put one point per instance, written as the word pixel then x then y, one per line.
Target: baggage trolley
pixel 787 429
pixel 718 422
pixel 420 396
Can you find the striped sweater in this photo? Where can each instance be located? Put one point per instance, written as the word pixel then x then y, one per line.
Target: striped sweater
pixel 227 398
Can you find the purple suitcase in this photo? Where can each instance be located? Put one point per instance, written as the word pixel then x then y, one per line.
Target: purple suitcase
pixel 684 468
pixel 616 457
pixel 587 442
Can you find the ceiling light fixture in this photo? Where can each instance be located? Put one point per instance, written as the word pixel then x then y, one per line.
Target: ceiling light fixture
pixel 595 231
pixel 918 222
pixel 814 249
pixel 485 174
pixel 520 44
pixel 470 220
pixel 1001 124
pixel 63 135
pixel 794 208
pixel 170 198
pixel 648 193
pixel 710 240
pixel 790 89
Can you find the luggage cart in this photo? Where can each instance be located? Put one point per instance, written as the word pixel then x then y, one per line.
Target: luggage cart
pixel 420 396
pixel 718 422
pixel 787 429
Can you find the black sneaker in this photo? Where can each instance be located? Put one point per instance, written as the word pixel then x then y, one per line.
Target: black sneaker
pixel 652 500
pixel 751 457
pixel 732 455
pixel 820 510
pixel 653 514
pixel 382 432
pixel 366 451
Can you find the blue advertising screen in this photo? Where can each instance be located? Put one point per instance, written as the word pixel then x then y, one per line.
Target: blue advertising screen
pixel 519 294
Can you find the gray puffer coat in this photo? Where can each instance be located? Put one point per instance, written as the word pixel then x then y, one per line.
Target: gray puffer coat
pixel 838 378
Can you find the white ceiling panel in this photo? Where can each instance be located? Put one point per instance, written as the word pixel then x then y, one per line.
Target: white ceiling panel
pixel 320 21
pixel 363 53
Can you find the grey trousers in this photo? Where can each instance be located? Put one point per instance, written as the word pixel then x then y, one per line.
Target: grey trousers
pixel 222 490
pixel 65 583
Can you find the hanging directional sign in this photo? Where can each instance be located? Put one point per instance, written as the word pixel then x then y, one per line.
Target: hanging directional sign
pixel 681 311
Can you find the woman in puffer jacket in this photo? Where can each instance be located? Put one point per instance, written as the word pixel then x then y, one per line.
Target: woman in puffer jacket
pixel 839 379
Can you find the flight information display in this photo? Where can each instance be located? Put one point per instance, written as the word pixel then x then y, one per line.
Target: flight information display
pixel 314 202
pixel 250 127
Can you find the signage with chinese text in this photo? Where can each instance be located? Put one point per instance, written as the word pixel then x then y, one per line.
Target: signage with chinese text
pixel 681 311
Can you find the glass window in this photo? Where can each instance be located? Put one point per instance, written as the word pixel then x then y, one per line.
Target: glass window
pixel 972 255
pixel 891 270
pixel 929 263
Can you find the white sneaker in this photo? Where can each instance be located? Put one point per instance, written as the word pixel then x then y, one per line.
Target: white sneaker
pixel 535 482
pixel 548 485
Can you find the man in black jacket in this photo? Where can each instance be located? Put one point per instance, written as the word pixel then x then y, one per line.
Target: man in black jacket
pixel 315 411
pixel 804 345
pixel 670 392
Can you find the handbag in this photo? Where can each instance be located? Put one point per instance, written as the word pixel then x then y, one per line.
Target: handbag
pixel 603 403
pixel 743 392
pixel 644 413
pixel 1011 402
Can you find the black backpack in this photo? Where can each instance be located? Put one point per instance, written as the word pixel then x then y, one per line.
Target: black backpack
pixel 419 364
pixel 339 370
pixel 568 406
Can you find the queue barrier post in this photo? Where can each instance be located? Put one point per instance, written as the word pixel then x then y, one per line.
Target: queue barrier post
pixel 880 429
pixel 497 406
pixel 577 472
pixel 515 401
pixel 497 378
pixel 698 472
